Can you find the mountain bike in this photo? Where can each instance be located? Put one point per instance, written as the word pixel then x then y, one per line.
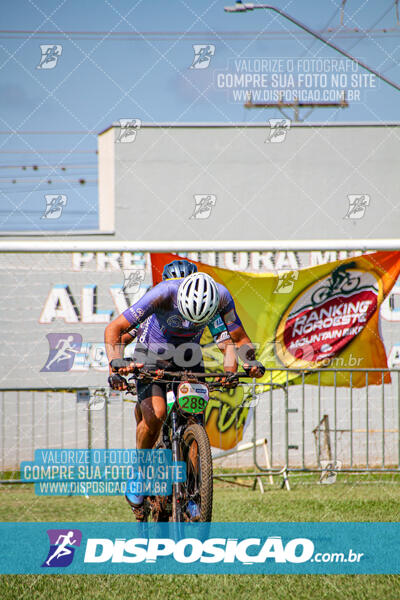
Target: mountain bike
pixel 183 432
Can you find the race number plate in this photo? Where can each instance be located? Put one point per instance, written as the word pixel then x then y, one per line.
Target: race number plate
pixel 192 397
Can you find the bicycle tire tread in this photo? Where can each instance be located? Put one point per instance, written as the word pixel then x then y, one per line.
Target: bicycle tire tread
pixel 199 434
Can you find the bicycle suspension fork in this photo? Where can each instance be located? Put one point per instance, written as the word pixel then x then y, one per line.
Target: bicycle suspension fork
pixel 175 459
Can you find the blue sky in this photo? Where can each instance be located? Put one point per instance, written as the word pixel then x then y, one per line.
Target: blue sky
pixel 147 75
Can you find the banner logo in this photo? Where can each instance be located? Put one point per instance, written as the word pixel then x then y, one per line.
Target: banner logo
pixel 62 547
pixel 326 316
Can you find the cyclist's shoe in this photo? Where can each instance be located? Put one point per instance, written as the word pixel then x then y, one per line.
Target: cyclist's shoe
pixel 139 510
pixel 135 500
pixel 193 511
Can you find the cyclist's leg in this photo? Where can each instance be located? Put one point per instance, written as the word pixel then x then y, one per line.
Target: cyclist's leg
pixel 150 413
pixel 138 413
pixel 153 412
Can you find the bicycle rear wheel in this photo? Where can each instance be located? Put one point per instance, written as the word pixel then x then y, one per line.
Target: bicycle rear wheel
pixel 198 488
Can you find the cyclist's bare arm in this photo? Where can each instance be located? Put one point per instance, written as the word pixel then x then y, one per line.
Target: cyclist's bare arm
pixel 116 338
pixel 227 347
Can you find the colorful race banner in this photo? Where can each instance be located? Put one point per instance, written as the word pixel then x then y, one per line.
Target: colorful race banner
pixel 136 548
pixel 323 316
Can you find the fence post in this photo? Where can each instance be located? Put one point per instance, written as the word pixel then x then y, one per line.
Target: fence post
pixel 76 423
pixel 89 428
pixel 335 410
pixel 319 419
pixel 302 421
pixel 106 422
pixel 398 418
pixel 18 428
pixel 286 392
pixel 271 432
pixel 254 407
pixel 367 422
pixel 33 425
pixel 47 419
pixel 3 420
pixel 383 418
pixel 351 418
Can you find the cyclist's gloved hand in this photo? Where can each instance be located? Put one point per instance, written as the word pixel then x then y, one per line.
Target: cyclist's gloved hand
pixel 229 380
pixel 125 366
pixel 256 369
pixel 116 382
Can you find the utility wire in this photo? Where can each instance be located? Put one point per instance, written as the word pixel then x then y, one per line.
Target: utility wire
pixel 374 25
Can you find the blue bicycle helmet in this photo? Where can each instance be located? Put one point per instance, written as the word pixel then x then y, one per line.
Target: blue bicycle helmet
pixel 178 268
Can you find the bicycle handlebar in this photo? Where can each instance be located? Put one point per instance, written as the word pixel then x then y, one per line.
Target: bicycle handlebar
pixel 158 374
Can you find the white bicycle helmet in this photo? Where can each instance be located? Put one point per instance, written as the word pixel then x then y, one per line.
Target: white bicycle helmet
pixel 198 298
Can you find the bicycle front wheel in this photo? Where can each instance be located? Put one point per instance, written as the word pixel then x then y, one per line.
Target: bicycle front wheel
pixel 196 453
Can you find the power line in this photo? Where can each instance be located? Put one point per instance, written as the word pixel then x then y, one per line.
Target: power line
pixel 71 132
pixel 374 25
pixel 52 179
pixel 68 152
pixel 307 50
pixel 56 189
pixel 167 36
pixel 44 167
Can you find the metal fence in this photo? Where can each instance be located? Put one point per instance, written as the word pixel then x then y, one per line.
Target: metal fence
pixel 305 426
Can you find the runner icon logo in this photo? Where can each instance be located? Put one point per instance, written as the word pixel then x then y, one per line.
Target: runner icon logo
pixel 62 547
pixel 63 348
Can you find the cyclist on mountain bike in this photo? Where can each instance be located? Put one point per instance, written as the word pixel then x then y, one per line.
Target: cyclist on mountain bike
pixel 172 317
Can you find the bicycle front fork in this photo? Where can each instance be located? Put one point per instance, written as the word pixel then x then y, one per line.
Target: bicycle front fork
pixel 175 458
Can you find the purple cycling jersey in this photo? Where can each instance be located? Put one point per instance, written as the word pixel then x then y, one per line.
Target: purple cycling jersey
pixel 165 325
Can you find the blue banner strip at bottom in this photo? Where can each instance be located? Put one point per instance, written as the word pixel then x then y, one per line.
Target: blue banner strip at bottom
pixel 314 548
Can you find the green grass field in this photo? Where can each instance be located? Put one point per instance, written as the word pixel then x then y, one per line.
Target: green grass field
pixel 358 498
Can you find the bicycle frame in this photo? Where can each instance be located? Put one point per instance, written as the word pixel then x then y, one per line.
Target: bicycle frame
pixel 177 421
